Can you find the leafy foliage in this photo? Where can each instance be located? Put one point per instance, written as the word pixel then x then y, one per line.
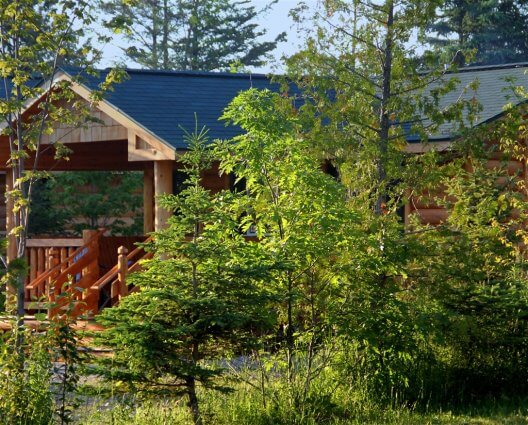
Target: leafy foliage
pixel 301 220
pixel 25 394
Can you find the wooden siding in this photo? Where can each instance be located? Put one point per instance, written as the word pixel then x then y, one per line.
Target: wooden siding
pixel 103 128
pixel 213 181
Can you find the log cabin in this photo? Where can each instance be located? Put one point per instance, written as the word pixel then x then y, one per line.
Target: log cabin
pixel 140 127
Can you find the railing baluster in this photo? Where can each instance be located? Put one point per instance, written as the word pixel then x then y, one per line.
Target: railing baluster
pixel 63 256
pixel 32 264
pixel 41 260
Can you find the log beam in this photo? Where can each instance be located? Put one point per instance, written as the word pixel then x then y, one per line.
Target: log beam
pixel 93 156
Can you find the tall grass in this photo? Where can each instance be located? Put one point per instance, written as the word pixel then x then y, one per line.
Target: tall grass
pixel 245 408
pixel 327 403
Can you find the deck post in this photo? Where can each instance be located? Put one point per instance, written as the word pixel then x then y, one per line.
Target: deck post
pixel 90 240
pixel 53 289
pixel 162 186
pixel 122 271
pixel 148 200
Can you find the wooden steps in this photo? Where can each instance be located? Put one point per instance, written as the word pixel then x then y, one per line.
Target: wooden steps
pixel 72 283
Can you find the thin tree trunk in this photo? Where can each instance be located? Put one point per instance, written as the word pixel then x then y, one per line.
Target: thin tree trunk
pixel 165 39
pixel 384 112
pixel 155 33
pixel 311 344
pixel 194 38
pixel 190 381
pixel 289 329
pixel 19 218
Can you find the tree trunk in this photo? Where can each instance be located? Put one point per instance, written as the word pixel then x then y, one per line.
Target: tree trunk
pixel 155 32
pixel 165 35
pixel 384 112
pixel 190 383
pixel 289 330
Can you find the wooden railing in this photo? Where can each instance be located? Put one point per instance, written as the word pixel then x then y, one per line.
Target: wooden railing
pixel 38 253
pixel 70 282
pixel 68 275
pixel 113 285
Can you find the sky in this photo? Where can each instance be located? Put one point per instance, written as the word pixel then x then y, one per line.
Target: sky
pixel 274 21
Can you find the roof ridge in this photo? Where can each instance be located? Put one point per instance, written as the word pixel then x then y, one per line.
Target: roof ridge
pixel 478 68
pixel 212 74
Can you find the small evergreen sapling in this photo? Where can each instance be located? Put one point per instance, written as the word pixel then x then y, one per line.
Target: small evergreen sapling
pixel 201 299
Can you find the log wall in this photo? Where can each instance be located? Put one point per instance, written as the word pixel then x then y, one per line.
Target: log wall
pixel 427 210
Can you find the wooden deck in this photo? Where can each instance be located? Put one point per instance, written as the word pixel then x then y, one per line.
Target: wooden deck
pixel 32 323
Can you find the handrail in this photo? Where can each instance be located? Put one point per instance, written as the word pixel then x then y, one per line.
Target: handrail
pixel 53 242
pixel 112 273
pixel 64 264
pixel 134 267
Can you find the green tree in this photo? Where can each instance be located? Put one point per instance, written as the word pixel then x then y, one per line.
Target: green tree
pixel 30 55
pixel 475 266
pixel 482 32
pixel 201 299
pixel 363 96
pixel 302 221
pixel 359 79
pixel 192 34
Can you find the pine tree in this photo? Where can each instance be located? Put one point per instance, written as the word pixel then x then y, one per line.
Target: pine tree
pixel 482 32
pixel 201 298
pixel 193 34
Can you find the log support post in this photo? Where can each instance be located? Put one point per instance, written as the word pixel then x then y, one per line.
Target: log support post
pixel 148 200
pixel 91 241
pixel 162 186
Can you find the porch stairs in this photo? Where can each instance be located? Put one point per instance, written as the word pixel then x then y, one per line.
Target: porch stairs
pixel 72 283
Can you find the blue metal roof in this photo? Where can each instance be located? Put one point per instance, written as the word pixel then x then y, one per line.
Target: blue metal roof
pixel 164 102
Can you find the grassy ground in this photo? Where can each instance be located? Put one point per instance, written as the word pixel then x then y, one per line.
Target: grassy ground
pixel 246 407
pixel 162 414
